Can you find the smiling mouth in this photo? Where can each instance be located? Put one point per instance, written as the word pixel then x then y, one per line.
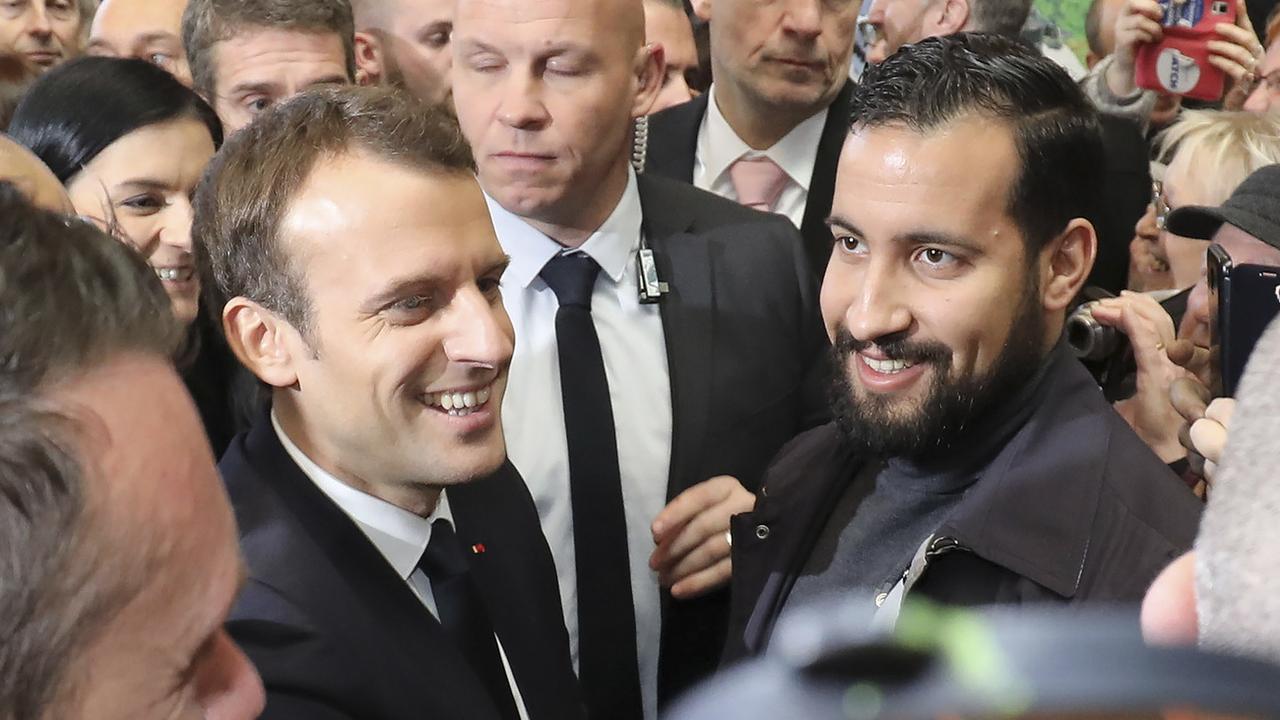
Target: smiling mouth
pixel 885 367
pixel 175 274
pixel 459 403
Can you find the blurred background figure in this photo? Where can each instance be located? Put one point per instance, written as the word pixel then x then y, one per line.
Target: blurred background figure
pixel 1083 665
pixel 44 32
pixel 406 43
pixel 130 142
pixel 1205 155
pixel 148 30
pixel 16 75
pixel 1100 29
pixel 247 55
pixel 666 23
pixel 25 172
pixel 900 22
pixel 120 558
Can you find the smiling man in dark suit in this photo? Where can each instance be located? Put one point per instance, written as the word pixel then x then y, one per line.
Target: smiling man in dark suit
pixel 669 339
pixel 396 567
pixel 769 131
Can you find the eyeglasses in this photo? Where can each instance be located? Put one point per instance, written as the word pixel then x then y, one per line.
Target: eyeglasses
pixel 1160 203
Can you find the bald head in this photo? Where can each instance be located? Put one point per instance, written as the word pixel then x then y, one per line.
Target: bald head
pixel 32 178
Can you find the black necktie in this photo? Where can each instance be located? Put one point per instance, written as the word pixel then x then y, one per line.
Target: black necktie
pixel 462 613
pixel 607 664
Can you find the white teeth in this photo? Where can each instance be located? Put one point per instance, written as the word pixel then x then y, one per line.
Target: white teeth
pixel 459 403
pixel 885 367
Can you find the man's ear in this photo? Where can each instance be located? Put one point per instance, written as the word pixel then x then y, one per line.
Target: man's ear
pixel 702 8
pixel 1065 264
pixel 370 61
pixel 260 340
pixel 651 70
pixel 954 18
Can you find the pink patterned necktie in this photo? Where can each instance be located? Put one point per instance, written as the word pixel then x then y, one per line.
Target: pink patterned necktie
pixel 758 181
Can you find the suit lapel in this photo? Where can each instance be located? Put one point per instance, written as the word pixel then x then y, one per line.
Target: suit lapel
pixel 688 323
pixel 674 154
pixel 391 604
pixel 822 186
pixel 497 523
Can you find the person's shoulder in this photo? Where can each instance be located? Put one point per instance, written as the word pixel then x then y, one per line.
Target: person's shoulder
pixel 670 123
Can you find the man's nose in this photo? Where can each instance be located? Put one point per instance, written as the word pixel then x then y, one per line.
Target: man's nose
pixel 522 107
pixel 481 331
pixel 878 308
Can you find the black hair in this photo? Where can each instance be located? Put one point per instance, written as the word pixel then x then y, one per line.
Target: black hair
pixel 78 109
pixel 936 81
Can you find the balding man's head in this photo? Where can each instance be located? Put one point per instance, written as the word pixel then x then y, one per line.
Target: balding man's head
pixel 32 178
pixel 545 93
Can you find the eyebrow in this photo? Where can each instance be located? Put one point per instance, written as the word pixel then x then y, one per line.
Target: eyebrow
pixel 398 288
pixel 913 237
pixel 148 38
pixel 145 184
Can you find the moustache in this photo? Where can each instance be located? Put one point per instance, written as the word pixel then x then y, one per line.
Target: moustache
pixel 914 352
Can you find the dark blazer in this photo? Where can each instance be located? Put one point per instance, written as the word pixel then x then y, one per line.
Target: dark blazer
pixel 1073 508
pixel 746 354
pixel 1126 191
pixel 336 633
pixel 673 145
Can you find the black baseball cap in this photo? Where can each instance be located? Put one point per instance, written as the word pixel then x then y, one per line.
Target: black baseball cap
pixel 1254 207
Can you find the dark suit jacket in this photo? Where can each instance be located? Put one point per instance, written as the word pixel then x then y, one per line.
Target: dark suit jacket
pixel 1073 508
pixel 673 145
pixel 747 356
pixel 1126 191
pixel 336 633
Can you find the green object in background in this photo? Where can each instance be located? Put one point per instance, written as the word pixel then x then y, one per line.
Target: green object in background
pixel 1068 15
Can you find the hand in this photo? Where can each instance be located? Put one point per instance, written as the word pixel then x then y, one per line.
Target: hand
pixel 1138 24
pixel 1237 55
pixel 1150 330
pixel 692 557
pixel 1209 434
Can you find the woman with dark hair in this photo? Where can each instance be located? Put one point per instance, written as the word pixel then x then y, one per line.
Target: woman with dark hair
pixel 130 143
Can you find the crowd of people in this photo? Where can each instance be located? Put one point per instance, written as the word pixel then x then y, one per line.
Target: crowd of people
pixel 625 359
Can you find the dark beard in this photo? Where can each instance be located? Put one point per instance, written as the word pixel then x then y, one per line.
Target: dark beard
pixel 951 408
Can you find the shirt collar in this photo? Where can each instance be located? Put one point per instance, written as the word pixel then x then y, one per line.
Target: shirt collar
pixel 719 145
pixel 611 245
pixel 399 535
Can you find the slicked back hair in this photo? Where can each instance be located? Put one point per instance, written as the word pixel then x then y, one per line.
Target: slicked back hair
pixel 250 185
pixel 71 297
pixel 930 84
pixel 208 22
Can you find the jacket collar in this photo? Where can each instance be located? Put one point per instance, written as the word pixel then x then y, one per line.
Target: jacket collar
pixel 1032 507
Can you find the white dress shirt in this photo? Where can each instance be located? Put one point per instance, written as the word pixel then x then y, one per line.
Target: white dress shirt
pixel 719 147
pixel 633 347
pixel 399 535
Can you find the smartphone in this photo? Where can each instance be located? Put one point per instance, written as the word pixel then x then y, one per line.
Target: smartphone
pixel 1179 63
pixel 1243 300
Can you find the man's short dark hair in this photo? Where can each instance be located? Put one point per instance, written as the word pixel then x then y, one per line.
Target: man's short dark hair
pixel 208 22
pixel 71 297
pixel 252 182
pixel 939 80
pixel 1000 17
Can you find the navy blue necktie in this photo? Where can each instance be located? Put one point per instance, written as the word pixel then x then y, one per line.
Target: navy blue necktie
pixel 607 663
pixel 463 615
